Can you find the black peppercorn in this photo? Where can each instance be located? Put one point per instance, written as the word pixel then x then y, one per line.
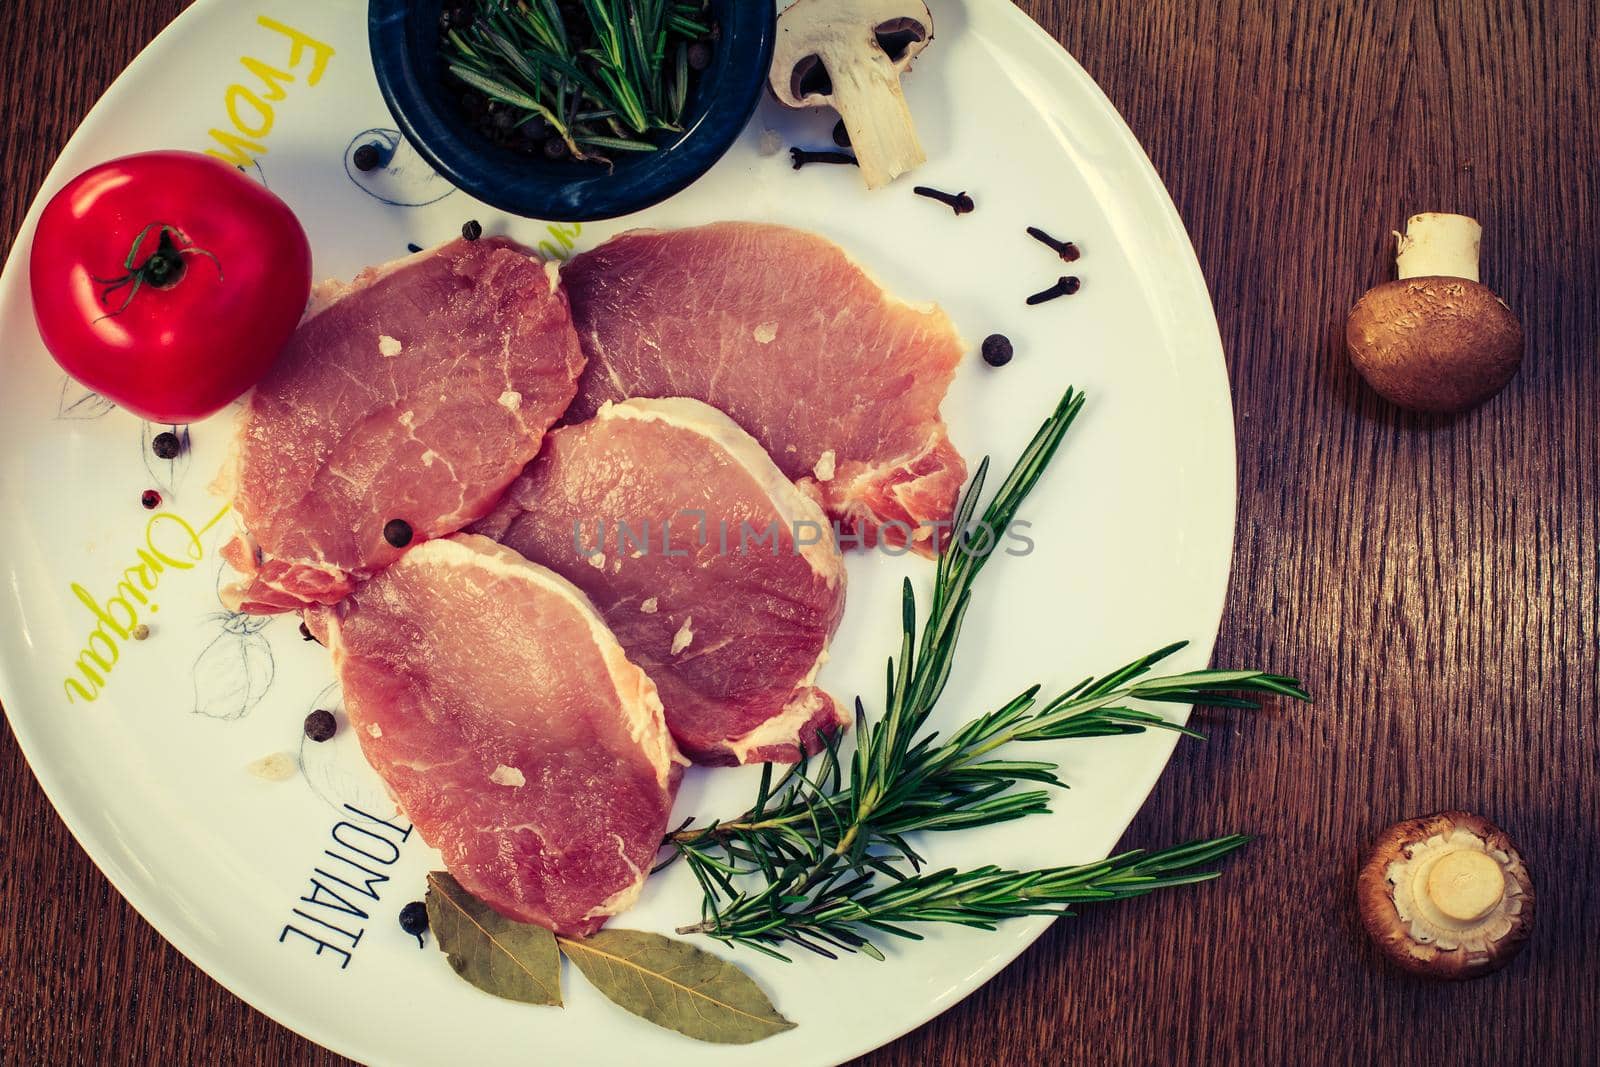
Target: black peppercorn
pixel 413 248
pixel 535 129
pixel 414 918
pixel 321 725
pixel 150 499
pixel 367 157
pixel 997 350
pixel 699 56
pixel 472 230
pixel 166 445
pixel 397 532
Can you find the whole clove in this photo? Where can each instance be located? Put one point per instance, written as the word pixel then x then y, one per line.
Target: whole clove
pixel 802 156
pixel 1064 286
pixel 960 202
pixel 1065 249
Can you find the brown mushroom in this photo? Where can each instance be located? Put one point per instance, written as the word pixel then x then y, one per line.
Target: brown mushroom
pixel 1435 339
pixel 1446 896
pixel 849 55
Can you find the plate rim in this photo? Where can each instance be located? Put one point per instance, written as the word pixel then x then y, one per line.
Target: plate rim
pixel 1186 273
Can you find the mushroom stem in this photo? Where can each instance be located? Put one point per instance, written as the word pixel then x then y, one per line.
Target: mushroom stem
pixel 869 100
pixel 1436 244
pixel 1465 886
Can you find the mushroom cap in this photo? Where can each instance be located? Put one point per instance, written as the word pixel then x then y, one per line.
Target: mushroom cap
pixel 1434 344
pixel 808 30
pixel 1447 854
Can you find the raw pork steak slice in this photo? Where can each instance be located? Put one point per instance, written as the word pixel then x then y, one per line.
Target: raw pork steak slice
pixel 416 393
pixel 510 727
pixel 725 587
pixel 840 382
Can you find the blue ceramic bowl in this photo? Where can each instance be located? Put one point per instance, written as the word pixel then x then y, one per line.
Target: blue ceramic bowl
pixel 405 54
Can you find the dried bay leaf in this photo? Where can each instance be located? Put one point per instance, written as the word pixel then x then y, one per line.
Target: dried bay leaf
pixel 677 985
pixel 517 961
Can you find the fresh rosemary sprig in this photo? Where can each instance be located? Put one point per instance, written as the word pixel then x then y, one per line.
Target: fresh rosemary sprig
pixel 819 835
pixel 833 915
pixel 603 86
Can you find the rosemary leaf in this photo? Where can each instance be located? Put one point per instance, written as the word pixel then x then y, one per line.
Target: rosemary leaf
pixel 554 27
pixel 617 144
pixel 680 84
pixel 496 90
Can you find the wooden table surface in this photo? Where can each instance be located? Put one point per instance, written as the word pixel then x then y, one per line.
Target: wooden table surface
pixel 1432 580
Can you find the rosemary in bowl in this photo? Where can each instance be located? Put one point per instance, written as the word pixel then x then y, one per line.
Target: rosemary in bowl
pixel 578 79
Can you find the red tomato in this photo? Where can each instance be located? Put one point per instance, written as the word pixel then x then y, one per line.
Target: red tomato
pixel 167 282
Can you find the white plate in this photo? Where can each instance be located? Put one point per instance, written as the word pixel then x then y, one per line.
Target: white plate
pixel 1133 529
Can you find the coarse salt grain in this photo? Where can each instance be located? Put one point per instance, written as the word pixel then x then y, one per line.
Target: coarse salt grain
pixel 504 775
pixel 825 466
pixel 278 767
pixel 683 637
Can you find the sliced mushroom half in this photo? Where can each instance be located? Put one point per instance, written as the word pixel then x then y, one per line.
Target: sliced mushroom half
pixel 1446 896
pixel 849 55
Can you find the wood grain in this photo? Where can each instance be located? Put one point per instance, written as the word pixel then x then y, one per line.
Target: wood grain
pixel 1433 580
